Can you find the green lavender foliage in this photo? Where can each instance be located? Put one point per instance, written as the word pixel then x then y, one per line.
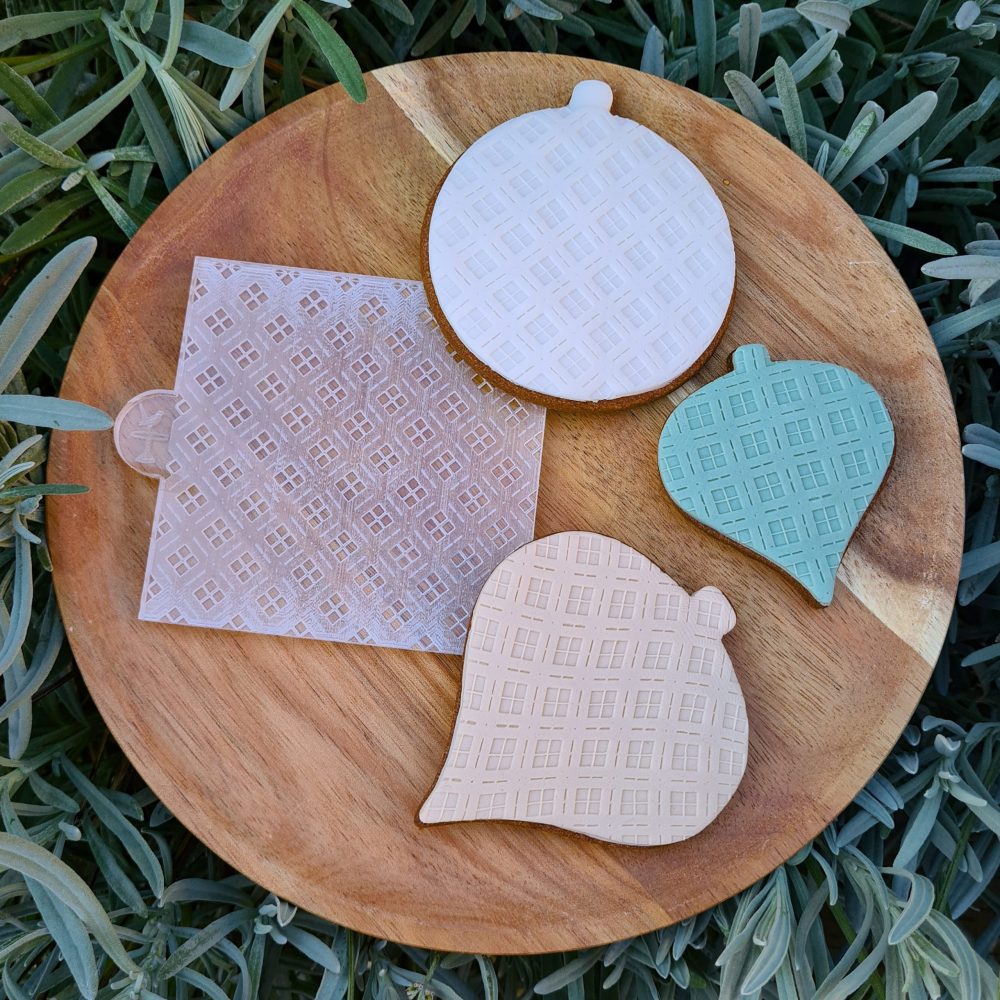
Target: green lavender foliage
pixel 107 105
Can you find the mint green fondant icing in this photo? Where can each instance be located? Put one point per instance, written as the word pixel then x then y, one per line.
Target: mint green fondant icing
pixel 783 457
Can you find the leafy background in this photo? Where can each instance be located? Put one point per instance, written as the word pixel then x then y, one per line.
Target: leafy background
pixel 108 104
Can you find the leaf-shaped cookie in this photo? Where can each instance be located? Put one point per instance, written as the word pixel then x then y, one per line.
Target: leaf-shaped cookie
pixel 782 457
pixel 596 696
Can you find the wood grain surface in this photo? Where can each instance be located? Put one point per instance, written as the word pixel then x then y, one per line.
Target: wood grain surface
pixel 303 763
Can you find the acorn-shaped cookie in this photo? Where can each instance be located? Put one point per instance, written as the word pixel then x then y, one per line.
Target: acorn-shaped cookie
pixel 597 696
pixel 782 457
pixel 578 259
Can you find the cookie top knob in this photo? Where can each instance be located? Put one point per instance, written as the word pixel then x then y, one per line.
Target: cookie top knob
pixel 578 259
pixel 592 94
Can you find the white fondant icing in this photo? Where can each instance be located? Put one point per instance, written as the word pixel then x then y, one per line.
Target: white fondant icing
pixel 579 255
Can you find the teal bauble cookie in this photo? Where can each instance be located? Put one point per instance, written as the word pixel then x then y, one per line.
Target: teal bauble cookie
pixel 782 457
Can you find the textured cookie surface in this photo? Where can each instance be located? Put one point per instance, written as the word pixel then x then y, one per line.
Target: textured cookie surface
pixel 783 458
pixel 580 256
pixel 596 696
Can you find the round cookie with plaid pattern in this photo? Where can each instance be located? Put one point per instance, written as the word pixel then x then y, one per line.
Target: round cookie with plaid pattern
pixel 578 259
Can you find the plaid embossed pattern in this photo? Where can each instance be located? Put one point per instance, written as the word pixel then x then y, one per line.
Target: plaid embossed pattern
pixel 597 697
pixel 782 457
pixel 334 473
pixel 579 255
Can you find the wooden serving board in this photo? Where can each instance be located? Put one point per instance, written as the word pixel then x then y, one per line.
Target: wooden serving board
pixel 303 763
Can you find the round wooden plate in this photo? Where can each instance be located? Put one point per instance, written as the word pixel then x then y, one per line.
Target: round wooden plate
pixel 303 763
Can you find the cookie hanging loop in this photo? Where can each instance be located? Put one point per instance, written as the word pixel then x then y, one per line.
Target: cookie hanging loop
pixel 591 95
pixel 750 357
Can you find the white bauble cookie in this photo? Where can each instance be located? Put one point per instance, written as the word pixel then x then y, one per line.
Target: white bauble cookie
pixel 579 259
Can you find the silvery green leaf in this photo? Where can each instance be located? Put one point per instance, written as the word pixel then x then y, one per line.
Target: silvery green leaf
pixel 37 149
pixel 118 881
pixel 204 890
pixel 964 268
pixel 313 948
pixel 488 975
pixel 205 986
pixel 62 414
pixel 45 221
pixel 774 945
pixel 190 124
pixel 68 132
pixel 127 154
pixel 917 907
pixel 805 930
pixel 122 219
pixel 983 154
pixel 23 683
pixel 7 117
pixel 402 13
pixel 28 188
pixel 950 327
pixel 907 236
pixel 614 951
pixel 876 809
pixel 642 20
pixel 967 15
pixel 821 158
pixel 813 59
pixel 918 828
pixel 536 8
pixel 991 248
pixel 48 793
pixel 219 47
pixel 887 137
pixel 37 305
pixel 258 41
pixel 175 25
pixel 569 973
pixel 652 52
pixel 841 987
pixel 70 937
pixel 284 911
pixel 959 122
pixel 26 98
pixel 826 14
pixel 199 943
pixel 11 987
pixel 961 952
pixel 253 90
pixel 932 962
pixel 750 101
pixel 749 37
pixel 160 141
pixel 735 956
pixel 791 107
pixel 34 862
pixel 23 27
pixel 15 623
pixel 983 453
pixel 985 655
pixel 116 824
pixel 683 933
pixel 985 812
pixel 705 42
pixel 336 51
pixel 228 122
